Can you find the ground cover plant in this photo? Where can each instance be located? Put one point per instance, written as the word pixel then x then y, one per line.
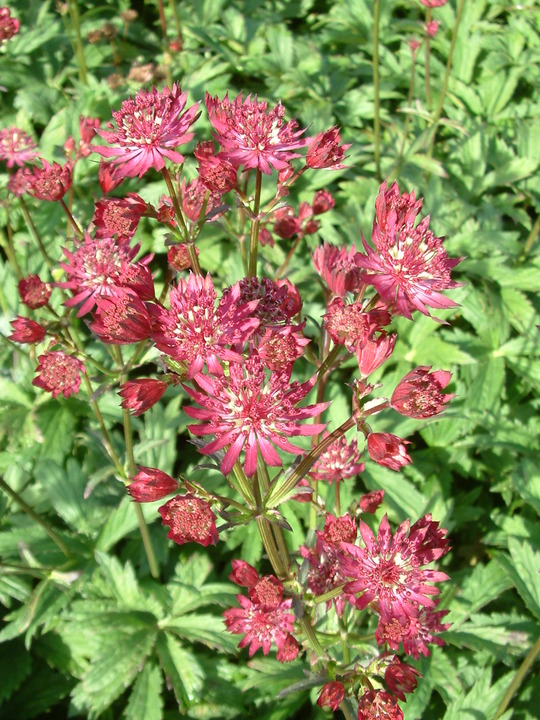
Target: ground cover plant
pixel 269 387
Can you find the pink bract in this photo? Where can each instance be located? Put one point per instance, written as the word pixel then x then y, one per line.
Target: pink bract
pixel 151 484
pixel 34 293
pixel 418 394
pixel 252 135
pixel 50 182
pixel 139 395
pixel 378 705
pixel 148 128
pixel 190 519
pixel 338 268
pixel 16 147
pixel 338 462
pixel 58 373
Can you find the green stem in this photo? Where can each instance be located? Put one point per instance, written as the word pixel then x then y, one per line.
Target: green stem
pixel 79 53
pixel 162 20
pixel 427 59
pixel 254 236
pixel 283 550
pixel 71 219
pixel 337 499
pixel 311 636
pixel 438 111
pixel 376 88
pixel 181 221
pixel 37 518
pixel 10 251
pixel 29 221
pixel 174 10
pixel 328 360
pixel 530 239
pixel 242 484
pixel 287 260
pixel 518 678
pixel 347 710
pixel 399 163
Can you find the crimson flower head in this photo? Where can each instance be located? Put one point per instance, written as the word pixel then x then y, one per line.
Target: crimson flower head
pixel 388 450
pixel 348 323
pixel 369 502
pixel 18 183
pixel 331 695
pixel 432 28
pixel 378 705
pixel 418 394
pixel 338 462
pixel 104 266
pixel 118 216
pixel 415 632
pixel 139 395
pixel 196 330
pixel 148 128
pixel 408 266
pixel 280 347
pixel 190 519
pixel 246 409
pixel 433 3
pixel 26 330
pixel 215 173
pixel 178 257
pixel 50 182
pixel 322 202
pixel 108 177
pixel 196 196
pixel 401 678
pixel 34 293
pixel 150 484
pixel 121 319
pixel 9 26
pixel 373 351
pixel 338 268
pixel 16 146
pixel 388 572
pixel 58 373
pixel 324 151
pixel 252 135
pixel 243 574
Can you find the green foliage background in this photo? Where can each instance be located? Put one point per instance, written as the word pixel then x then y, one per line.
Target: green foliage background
pixel 92 635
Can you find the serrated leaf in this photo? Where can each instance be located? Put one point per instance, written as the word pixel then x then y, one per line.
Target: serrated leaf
pixel 15 665
pixel 483 585
pixel 482 700
pixel 57 425
pixel 146 700
pixel 207 629
pixel 500 635
pixel 523 568
pixel 66 491
pixel 121 521
pixel 526 480
pixel 181 668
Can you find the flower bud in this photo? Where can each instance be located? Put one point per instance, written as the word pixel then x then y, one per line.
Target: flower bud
pixel 150 484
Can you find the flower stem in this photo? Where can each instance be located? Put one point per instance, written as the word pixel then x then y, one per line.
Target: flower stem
pixel 78 47
pixel 71 219
pixel 283 550
pixel 438 111
pixel 181 221
pixel 31 513
pixel 311 636
pixel 174 11
pixel 426 60
pixel 10 250
pixel 376 88
pixel 530 239
pixel 30 222
pixel 518 678
pixel 254 236
pixel 287 260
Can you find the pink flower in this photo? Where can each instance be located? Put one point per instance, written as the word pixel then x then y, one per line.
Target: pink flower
pixel 108 177
pixel 9 26
pixel 26 331
pixel 178 257
pixel 196 332
pixel 286 224
pixel 118 216
pixel 324 150
pixel 103 266
pixel 121 319
pixel 190 520
pixel 139 395
pixel 58 373
pixel 373 351
pixel 264 620
pixel 243 574
pixel 215 173
pixel 195 197
pixel 18 183
pixel 432 28
pixel 50 182
pixel 418 394
pixel 371 501
pixel 34 293
pixel 388 572
pixel 87 131
pixel 414 45
pixel 433 3
pixel 253 136
pixel 378 705
pixel 331 695
pixel 338 462
pixel 401 678
pixel 247 409
pixel 150 484
pixel 388 450
pixel 322 202
pixel 408 266
pixel 338 268
pixel 16 146
pixel 348 324
pixel 280 347
pixel 415 632
pixel 148 128
pixel 277 302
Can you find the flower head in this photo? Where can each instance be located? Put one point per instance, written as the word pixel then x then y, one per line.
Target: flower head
pixel 369 502
pixel 190 519
pixel 378 705
pixel 9 26
pixel 252 135
pixel 50 182
pixel 196 196
pixel 338 462
pixel 337 268
pixel 104 266
pixel 432 28
pixel 148 128
pixel 324 150
pixel 16 146
pixel 418 394
pixel 58 373
pixel 277 301
pixel 248 410
pixel 34 293
pixel 178 257
pixel 415 632
pixel 388 450
pixel 408 266
pixel 348 324
pixel 243 574
pixel 280 347
pixel 433 3
pixel 322 202
pixel 401 678
pixel 388 572
pixel 121 319
pixel 151 484
pixel 139 395
pixel 331 695
pixel 215 173
pixel 26 330
pixel 373 351
pixel 118 216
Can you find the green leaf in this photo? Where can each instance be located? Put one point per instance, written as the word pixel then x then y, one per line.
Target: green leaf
pixel 500 635
pixel 526 480
pixel 57 425
pixel 120 522
pixel 207 629
pixel 145 700
pixel 15 665
pixel 522 567
pixel 483 585
pixel 66 492
pixel 181 668
pixel 482 700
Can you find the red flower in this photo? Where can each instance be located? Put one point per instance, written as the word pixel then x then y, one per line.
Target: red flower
pixel 433 3
pixel 388 450
pixel 196 332
pixel 253 136
pixel 280 347
pixel 370 502
pixel 121 319
pixel 190 520
pixel 9 26
pixel 245 409
pixel 277 302
pixel 432 28
pixel 401 678
pixel 140 395
pixel 150 484
pixel 118 216
pixel 372 352
pixel 387 570
pixel 26 331
pixel 243 574
pixel 348 324
pixel 286 224
pixel 338 462
pixel 288 650
pixel 338 269
pixel 87 131
pixel 34 293
pixel 18 183
pixel 58 373
pixel 195 197
pixel 215 173
pixel 408 266
pixel 148 127
pixel 50 182
pixel 322 202
pixel 108 177
pixel 418 394
pixel 416 632
pixel 16 146
pixel 378 705
pixel 331 695
pixel 103 266
pixel 178 257
pixel 324 150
